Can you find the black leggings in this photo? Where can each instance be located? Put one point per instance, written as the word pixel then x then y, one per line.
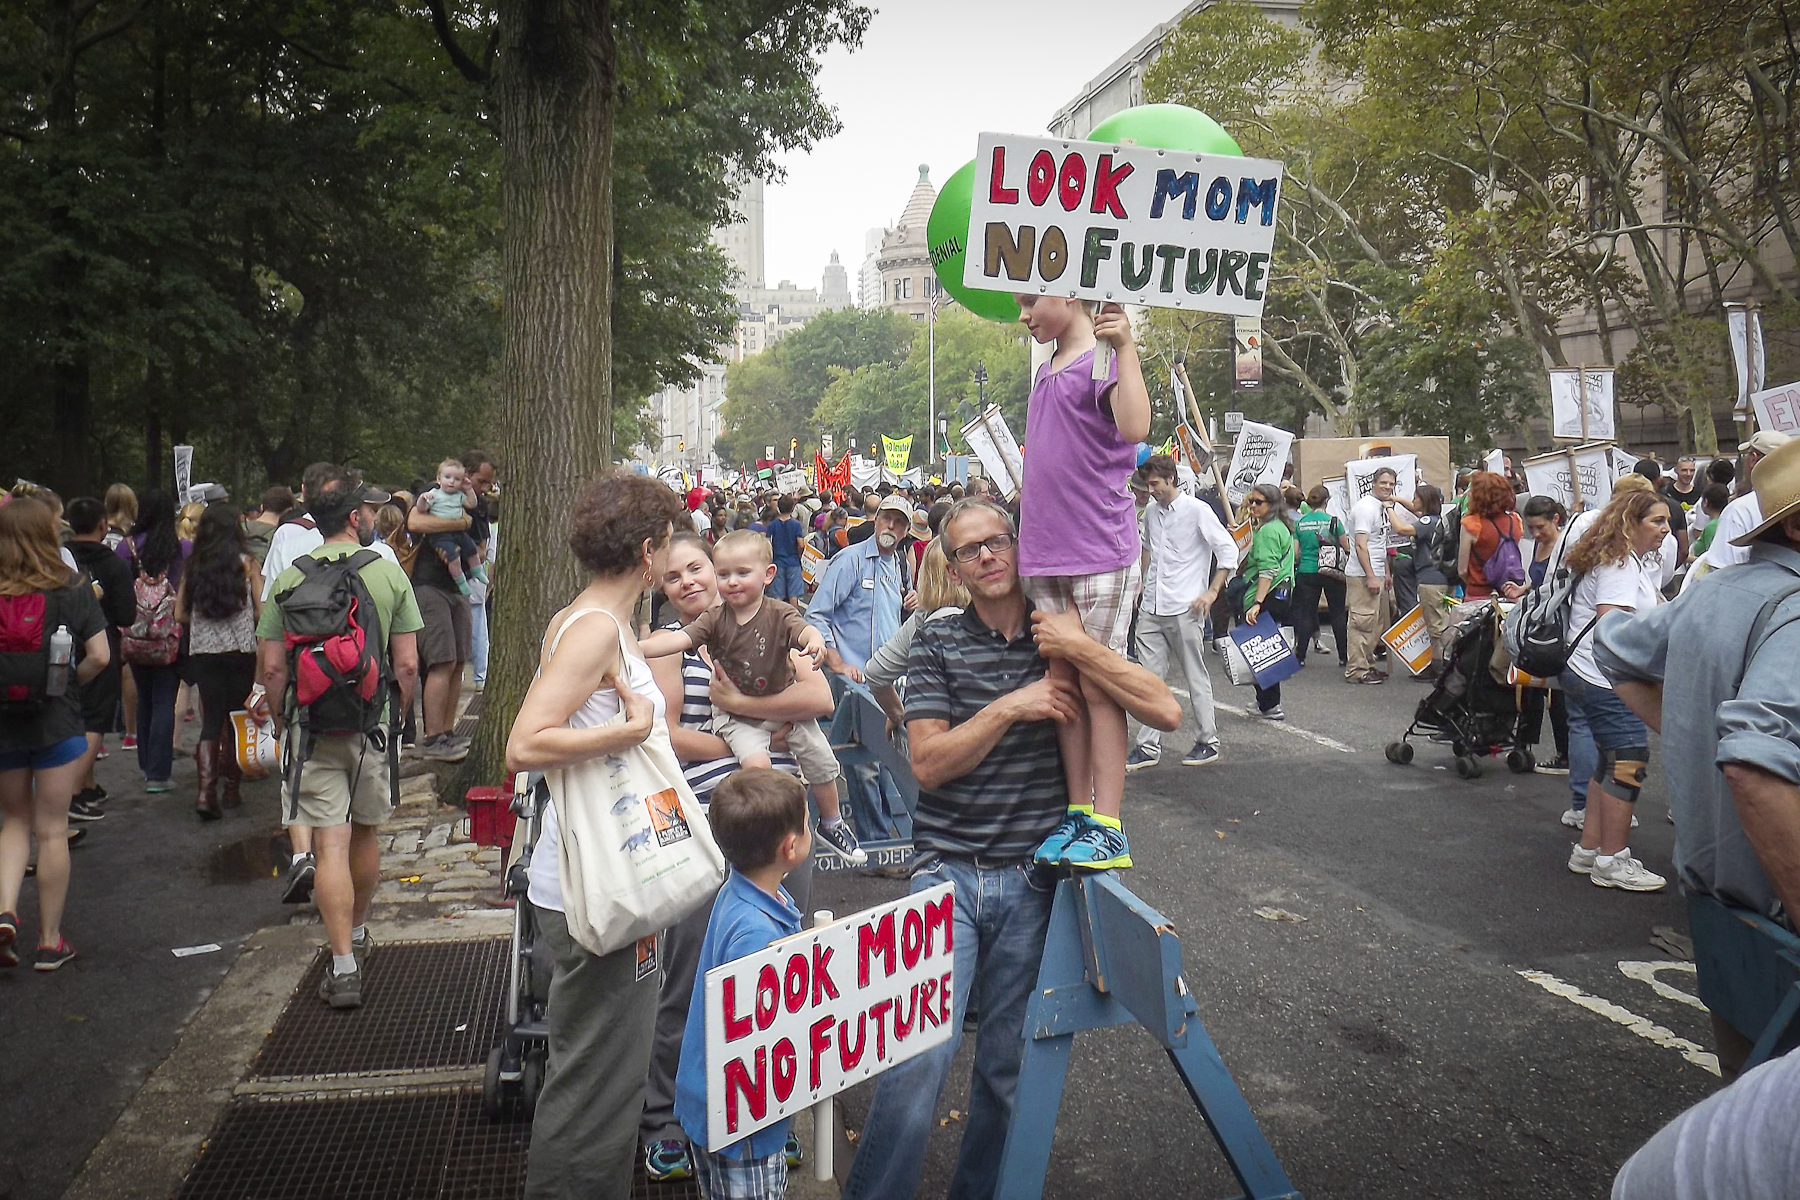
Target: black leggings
pixel 1308 587
pixel 1531 719
pixel 224 680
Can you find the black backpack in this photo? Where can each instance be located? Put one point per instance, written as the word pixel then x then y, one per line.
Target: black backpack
pixel 1447 545
pixel 340 682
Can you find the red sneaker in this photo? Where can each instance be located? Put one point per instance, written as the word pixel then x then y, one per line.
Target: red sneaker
pixel 9 933
pixel 130 742
pixel 51 957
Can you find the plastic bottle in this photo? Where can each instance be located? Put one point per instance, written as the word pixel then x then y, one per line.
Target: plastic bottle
pixel 62 652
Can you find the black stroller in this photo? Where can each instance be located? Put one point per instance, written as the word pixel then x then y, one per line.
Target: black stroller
pixel 1467 709
pixel 515 1068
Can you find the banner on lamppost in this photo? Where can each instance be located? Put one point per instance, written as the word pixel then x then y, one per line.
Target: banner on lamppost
pixel 898 451
pixel 1247 341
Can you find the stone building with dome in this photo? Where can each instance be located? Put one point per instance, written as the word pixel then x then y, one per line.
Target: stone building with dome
pixel 904 260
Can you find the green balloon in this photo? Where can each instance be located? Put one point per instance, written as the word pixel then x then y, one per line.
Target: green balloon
pixel 1167 127
pixel 945 232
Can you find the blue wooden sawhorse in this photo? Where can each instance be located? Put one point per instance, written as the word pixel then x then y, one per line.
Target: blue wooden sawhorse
pixel 1748 968
pixel 878 790
pixel 1111 959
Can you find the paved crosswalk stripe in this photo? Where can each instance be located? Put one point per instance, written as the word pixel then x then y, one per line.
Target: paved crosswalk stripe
pixel 1642 1026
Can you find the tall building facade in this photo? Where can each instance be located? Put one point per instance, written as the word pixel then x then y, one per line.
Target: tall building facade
pixel 868 276
pixel 742 238
pixel 907 280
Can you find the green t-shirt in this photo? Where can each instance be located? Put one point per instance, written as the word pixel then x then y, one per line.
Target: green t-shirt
pixel 1315 524
pixel 1705 542
pixel 1272 553
pixel 388 587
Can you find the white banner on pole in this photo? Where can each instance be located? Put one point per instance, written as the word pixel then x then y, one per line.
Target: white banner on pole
pixel 184 470
pixel 1129 224
pixel 1581 477
pixel 1745 327
pixel 1568 388
pixel 1261 453
pixel 1359 475
pixel 1778 408
pixel 992 440
pixel 823 1010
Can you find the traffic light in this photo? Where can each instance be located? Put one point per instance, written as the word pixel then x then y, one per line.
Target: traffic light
pixel 793 448
pixel 681 445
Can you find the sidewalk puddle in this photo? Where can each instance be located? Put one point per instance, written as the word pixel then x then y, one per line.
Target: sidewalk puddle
pixel 248 860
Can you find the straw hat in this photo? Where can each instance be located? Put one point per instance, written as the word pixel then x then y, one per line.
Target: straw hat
pixel 1777 482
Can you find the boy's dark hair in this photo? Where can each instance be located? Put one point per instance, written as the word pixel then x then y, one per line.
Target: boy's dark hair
pixel 1714 498
pixel 1160 465
pixel 84 515
pixel 1721 470
pixel 752 810
pixel 785 506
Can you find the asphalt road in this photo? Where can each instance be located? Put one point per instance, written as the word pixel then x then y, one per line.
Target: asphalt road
pixel 1387 1043
pixel 147 879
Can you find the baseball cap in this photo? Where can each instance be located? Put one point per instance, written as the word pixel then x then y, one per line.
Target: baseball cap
pixel 897 503
pixel 1764 441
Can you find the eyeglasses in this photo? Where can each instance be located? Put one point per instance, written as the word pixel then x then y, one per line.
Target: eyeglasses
pixel 1000 543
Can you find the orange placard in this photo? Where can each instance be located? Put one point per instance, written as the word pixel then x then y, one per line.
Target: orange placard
pixel 1241 535
pixel 1410 641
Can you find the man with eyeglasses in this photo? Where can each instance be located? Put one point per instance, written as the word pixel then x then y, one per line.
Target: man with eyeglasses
pixel 981 718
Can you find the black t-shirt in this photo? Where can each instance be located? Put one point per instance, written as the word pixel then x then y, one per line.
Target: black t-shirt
pixel 76 607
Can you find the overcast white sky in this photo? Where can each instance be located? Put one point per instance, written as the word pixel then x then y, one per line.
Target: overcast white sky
pixel 931 76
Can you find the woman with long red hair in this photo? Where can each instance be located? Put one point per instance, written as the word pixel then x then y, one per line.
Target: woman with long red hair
pixel 1491 533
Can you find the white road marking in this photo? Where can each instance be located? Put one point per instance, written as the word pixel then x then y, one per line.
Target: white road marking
pixel 1309 735
pixel 1645 972
pixel 1642 1026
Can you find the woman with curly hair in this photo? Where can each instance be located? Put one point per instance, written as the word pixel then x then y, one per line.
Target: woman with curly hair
pixel 1490 528
pixel 220 600
pixel 1609 748
pixel 602 1008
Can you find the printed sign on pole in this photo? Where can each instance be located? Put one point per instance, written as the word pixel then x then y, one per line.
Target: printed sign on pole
pixel 1247 339
pixel 1778 408
pixel 1581 403
pixel 1262 450
pixel 1234 421
pixel 898 451
pixel 1745 329
pixel 815 1013
pixel 1359 475
pixel 812 562
pixel 1242 533
pixel 1129 224
pixel 1410 641
pixel 992 441
pixel 1578 478
pixel 184 469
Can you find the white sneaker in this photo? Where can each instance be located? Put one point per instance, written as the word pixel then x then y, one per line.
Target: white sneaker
pixel 1581 860
pixel 1575 818
pixel 1628 874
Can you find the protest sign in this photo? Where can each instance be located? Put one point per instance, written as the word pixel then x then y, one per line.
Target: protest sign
pixel 1778 408
pixel 1577 478
pixel 1262 450
pixel 790 481
pixel 992 441
pixel 1581 403
pixel 1744 328
pixel 1266 652
pixel 812 562
pixel 184 469
pixel 815 1013
pixel 1410 641
pixel 1495 462
pixel 1130 224
pixel 1242 533
pixel 1359 475
pixel 898 451
pixel 1319 459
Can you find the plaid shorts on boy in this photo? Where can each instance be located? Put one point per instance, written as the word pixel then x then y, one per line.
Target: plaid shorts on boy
pixel 748 1178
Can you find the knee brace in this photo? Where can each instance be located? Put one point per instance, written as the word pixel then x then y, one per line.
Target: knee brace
pixel 1620 773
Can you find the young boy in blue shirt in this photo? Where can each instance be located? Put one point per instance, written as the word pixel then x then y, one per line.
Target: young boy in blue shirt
pixel 758 817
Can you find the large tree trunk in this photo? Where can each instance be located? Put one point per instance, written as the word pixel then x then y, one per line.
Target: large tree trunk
pixel 557 77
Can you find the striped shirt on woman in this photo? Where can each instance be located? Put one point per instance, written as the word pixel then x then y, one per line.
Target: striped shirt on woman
pixel 697 714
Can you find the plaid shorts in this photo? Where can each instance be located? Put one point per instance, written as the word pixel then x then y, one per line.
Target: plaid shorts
pixel 723 1178
pixel 1105 601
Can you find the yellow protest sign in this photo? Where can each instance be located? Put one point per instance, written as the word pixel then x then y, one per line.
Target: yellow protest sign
pixel 1410 641
pixel 812 562
pixel 899 452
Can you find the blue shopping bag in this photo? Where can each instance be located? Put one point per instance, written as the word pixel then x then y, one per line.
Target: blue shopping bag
pixel 1270 658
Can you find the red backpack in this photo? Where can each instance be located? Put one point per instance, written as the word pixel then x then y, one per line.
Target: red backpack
pixel 25 622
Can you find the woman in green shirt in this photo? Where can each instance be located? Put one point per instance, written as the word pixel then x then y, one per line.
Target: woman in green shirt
pixel 1317 527
pixel 1267 574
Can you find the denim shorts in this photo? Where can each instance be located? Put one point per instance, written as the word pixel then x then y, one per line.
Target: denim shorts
pixel 1614 727
pixel 56 754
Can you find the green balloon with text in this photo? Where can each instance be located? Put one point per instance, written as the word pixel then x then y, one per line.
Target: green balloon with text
pixel 946 232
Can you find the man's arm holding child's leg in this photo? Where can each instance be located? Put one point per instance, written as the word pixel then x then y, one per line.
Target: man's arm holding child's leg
pixel 1133 688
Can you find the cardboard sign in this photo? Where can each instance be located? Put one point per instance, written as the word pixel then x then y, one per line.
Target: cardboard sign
pixel 790 481
pixel 1410 641
pixel 1130 224
pixel 1573 389
pixel 1267 653
pixel 898 451
pixel 1778 408
pixel 1261 453
pixel 1319 459
pixel 992 440
pixel 825 1009
pixel 1578 478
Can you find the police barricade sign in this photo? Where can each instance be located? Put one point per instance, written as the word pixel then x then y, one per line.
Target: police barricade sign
pixel 1410 641
pixel 823 1010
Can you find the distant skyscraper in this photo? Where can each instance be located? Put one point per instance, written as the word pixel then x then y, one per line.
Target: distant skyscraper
pixel 868 278
pixel 742 239
pixel 834 289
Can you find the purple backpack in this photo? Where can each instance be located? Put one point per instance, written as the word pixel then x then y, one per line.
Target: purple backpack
pixel 1504 565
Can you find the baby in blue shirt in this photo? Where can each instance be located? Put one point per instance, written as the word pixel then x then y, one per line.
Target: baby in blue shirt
pixel 758 817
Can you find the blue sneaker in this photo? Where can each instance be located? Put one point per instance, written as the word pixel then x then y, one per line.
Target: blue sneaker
pixel 667 1160
pixel 1074 823
pixel 1139 758
pixel 795 1156
pixel 1204 754
pixel 1101 847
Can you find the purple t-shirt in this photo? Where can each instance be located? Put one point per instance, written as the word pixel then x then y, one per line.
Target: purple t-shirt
pixel 1076 516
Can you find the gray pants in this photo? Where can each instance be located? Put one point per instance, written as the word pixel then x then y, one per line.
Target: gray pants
pixel 583 1142
pixel 680 964
pixel 1161 640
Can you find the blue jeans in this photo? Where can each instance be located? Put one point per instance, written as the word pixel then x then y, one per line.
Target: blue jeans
pixel 478 641
pixel 156 687
pixel 1598 720
pixel 1002 915
pixel 789 583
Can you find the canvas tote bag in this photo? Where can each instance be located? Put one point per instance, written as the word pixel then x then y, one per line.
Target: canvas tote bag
pixel 637 853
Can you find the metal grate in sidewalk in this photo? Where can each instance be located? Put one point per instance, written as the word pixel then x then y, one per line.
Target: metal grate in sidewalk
pixel 425 1005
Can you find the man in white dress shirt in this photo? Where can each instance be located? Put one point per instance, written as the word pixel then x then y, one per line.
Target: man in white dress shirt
pixel 1191 557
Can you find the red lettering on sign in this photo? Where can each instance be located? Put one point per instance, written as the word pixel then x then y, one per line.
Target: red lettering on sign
pixel 927 1014
pixel 946 997
pixel 1106 186
pixel 997 192
pixel 735 1026
pixel 872 939
pixel 768 995
pixel 821 975
pixel 1071 182
pixel 903 1024
pixel 1041 177
pixel 912 938
pixel 785 1066
pixel 941 915
pixel 793 983
pixel 755 1092
pixel 847 1057
pixel 818 1040
pixel 878 1010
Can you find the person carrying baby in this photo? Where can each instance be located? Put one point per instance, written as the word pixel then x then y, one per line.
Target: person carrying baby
pixel 452 499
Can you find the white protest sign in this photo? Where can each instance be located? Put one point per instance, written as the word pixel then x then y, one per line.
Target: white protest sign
pixel 1339 504
pixel 1778 408
pixel 992 440
pixel 1359 475
pixel 1131 224
pixel 1570 389
pixel 1262 450
pixel 184 468
pixel 1495 462
pixel 825 1009
pixel 790 481
pixel 1744 327
pixel 1556 475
